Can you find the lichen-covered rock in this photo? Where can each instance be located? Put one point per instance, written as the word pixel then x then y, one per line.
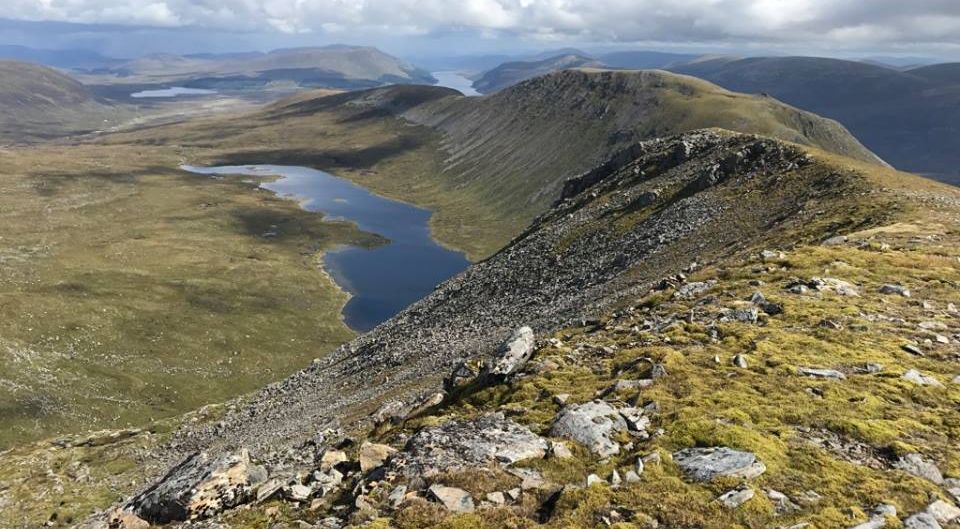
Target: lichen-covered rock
pixel 591 424
pixel 373 455
pixel 198 488
pixel 513 354
pixel 707 464
pixel 460 444
pixel 453 499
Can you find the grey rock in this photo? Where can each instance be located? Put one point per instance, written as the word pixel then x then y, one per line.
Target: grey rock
pixel 912 349
pixel 782 504
pixel 821 373
pixel 692 290
pixel 591 424
pixel 740 361
pixel 631 477
pixel 737 497
pixel 635 418
pixel 496 498
pixel 593 479
pixel 658 371
pixel 559 450
pixel 921 520
pixel 915 465
pixel 943 511
pixel 895 290
pixel 885 509
pixel 836 240
pixel 615 479
pixel 199 487
pixel 513 354
pixel 297 492
pixel 460 444
pixel 397 495
pixel 749 315
pixel 707 464
pixel 875 522
pixel 920 379
pixel 453 499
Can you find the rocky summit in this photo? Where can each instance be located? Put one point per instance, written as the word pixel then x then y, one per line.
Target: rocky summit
pixel 650 352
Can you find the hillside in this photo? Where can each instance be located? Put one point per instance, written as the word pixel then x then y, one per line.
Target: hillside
pixel 511 73
pixel 643 60
pixel 38 102
pixel 487 166
pixel 348 67
pixel 704 295
pixel 908 119
pixel 946 74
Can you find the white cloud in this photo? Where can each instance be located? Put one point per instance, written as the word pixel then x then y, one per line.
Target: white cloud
pixel 844 22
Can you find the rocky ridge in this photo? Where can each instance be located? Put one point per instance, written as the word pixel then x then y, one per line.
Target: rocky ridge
pixel 659 206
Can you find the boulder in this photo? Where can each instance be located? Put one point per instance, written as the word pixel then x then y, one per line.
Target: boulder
pixel 453 499
pixel 513 354
pixel 461 444
pixel 895 290
pixel 707 464
pixel 332 458
pixel 921 520
pixel 943 511
pixel 915 465
pixel 920 379
pixel 591 424
pixel 199 487
pixel 782 504
pixel 374 455
pixel 737 497
pixel 821 373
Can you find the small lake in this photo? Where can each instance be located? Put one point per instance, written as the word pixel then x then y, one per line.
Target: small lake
pixel 173 91
pixel 382 280
pixel 457 81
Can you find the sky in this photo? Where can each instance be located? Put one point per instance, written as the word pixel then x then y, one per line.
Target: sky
pixel 411 27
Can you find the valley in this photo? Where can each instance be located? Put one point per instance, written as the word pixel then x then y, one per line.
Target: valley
pixel 324 288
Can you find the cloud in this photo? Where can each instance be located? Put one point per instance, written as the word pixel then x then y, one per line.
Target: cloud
pixel 849 23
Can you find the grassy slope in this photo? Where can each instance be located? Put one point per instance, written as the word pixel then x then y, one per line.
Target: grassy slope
pixel 131 290
pixel 761 408
pixel 37 102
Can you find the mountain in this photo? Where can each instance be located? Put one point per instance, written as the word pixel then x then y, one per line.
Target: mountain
pixel 38 102
pixel 487 166
pixel 511 73
pixel 643 60
pixel 726 309
pixel 331 66
pixel 946 74
pixel 70 59
pixel 908 118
